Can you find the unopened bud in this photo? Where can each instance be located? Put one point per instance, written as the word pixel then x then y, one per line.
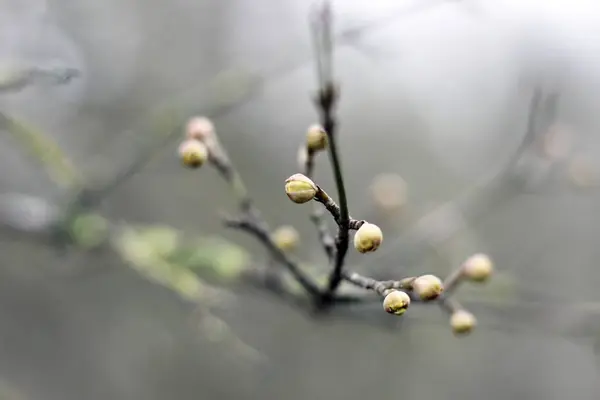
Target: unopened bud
pixel 389 192
pixel 199 128
pixel 462 322
pixel 193 153
pixel 286 238
pixel 396 302
pixel 428 287
pixel 582 173
pixel 300 189
pixel 478 268
pixel 316 138
pixel 368 238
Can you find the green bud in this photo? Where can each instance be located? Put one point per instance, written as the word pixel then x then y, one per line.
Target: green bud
pixel 300 189
pixel 396 302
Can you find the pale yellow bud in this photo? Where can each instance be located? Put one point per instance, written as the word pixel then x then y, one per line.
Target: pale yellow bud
pixel 389 192
pixel 368 238
pixel 428 287
pixel 316 138
pixel 396 302
pixel 199 128
pixel 478 268
pixel 286 238
pixel 300 189
pixel 582 173
pixel 193 153
pixel 462 322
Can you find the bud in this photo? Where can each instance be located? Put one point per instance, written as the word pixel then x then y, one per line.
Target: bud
pixel 396 302
pixel 316 138
pixel 368 238
pixel 199 128
pixel 428 287
pixel 478 268
pixel 286 238
pixel 462 322
pixel 193 153
pixel 388 192
pixel 582 173
pixel 300 189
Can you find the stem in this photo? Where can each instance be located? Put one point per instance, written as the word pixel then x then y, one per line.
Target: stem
pixel 326 101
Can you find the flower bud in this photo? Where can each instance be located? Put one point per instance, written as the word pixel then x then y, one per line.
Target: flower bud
pixel 388 192
pixel 428 287
pixel 193 153
pixel 462 322
pixel 396 302
pixel 300 189
pixel 478 268
pixel 199 128
pixel 316 138
pixel 286 238
pixel 582 173
pixel 368 238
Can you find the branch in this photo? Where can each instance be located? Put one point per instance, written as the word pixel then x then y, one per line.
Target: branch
pixel 449 218
pixel 45 150
pixel 316 141
pixel 326 101
pixel 201 133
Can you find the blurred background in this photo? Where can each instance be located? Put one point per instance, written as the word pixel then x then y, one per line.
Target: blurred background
pixel 137 295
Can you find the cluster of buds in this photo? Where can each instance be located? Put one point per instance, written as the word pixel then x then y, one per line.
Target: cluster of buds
pixel 478 268
pixel 193 151
pixel 301 189
pixel 425 287
pixel 200 145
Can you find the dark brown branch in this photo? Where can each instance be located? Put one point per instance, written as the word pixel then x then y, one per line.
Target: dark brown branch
pixel 327 241
pixel 263 235
pixel 251 220
pixel 336 211
pixel 379 287
pixel 326 102
pixel 325 237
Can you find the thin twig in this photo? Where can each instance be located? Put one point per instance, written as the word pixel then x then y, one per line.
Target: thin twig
pixel 326 101
pixel 307 162
pixel 251 220
pixel 379 287
pixel 336 211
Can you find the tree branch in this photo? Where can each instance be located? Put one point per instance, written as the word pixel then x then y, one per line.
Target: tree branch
pixel 326 101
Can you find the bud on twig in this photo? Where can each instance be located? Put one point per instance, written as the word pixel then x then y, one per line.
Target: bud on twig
pixel 428 287
pixel 286 238
pixel 193 153
pixel 199 128
pixel 316 138
pixel 300 189
pixel 462 322
pixel 368 238
pixel 477 268
pixel 396 302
